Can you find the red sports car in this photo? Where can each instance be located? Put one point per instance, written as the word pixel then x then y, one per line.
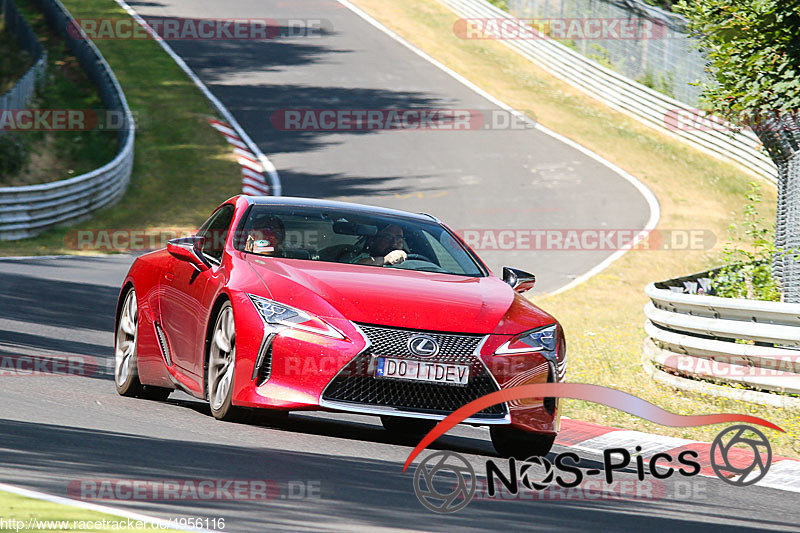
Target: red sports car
pixel 296 304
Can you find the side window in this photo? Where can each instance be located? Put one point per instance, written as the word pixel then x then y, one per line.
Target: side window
pixel 215 230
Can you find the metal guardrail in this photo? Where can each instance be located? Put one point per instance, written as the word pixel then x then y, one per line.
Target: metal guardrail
pixel 623 94
pixel 749 343
pixel 23 91
pixel 26 211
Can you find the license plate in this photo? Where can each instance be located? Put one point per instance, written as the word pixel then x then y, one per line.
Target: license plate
pixel 390 367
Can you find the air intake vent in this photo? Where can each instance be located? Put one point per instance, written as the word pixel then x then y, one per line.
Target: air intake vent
pixel 263 368
pixel 162 341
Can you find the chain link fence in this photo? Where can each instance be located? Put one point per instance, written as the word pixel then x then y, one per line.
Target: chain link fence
pixel 781 137
pixel 665 59
pixel 23 91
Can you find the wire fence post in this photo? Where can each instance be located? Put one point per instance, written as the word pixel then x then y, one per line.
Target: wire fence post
pixel 24 90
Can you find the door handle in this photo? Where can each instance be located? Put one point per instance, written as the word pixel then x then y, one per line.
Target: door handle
pixel 169 276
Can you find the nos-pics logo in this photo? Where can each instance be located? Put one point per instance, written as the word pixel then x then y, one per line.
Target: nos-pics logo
pixel 445 482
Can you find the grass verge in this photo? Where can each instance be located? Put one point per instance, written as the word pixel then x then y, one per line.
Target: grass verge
pixel 603 318
pixel 182 169
pixel 29 514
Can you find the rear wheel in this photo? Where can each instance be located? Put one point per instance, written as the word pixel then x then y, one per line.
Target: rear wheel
pixel 407 427
pixel 126 373
pixel 221 365
pixel 511 442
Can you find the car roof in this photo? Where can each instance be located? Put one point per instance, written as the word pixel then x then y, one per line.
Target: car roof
pixel 331 204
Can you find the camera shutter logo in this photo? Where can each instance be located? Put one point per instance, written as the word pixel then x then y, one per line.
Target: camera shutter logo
pixel 533 466
pixel 456 474
pixel 423 345
pixel 726 441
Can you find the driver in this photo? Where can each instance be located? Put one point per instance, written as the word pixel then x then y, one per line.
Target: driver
pixel 384 248
pixel 266 235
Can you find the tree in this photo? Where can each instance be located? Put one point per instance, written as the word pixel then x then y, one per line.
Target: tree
pixel 753 48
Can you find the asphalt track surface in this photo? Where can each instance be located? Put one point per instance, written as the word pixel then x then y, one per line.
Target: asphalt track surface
pixel 56 429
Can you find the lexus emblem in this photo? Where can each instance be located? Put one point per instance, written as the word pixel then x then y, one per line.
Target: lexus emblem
pixel 423 345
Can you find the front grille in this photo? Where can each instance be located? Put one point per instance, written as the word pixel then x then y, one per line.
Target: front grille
pixel 356 382
pixel 393 342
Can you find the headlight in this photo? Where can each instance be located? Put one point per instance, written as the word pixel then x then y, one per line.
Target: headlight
pixel 536 340
pixel 278 314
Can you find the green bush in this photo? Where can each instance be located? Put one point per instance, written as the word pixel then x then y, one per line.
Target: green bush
pixel 748 255
pixel 753 281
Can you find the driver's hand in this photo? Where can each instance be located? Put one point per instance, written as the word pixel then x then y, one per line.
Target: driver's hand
pixel 394 257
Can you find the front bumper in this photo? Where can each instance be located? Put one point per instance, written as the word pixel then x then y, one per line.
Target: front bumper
pixel 308 371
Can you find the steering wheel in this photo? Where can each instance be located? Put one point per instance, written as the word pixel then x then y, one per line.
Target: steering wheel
pixel 418 257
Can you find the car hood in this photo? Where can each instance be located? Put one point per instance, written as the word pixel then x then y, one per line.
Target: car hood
pixel 395 297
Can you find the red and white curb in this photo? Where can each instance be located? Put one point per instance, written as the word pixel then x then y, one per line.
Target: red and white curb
pixel 784 474
pixel 254 180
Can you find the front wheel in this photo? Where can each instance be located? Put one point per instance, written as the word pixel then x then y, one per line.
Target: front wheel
pixel 511 442
pixel 221 365
pixel 126 373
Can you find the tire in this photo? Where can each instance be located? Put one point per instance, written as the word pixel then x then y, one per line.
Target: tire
pixel 222 366
pixel 126 372
pixel 414 428
pixel 510 442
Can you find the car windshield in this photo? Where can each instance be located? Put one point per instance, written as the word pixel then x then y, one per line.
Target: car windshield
pixel 354 237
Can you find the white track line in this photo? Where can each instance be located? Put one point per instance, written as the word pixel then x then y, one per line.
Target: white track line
pixel 274 178
pixel 159 522
pixel 62 256
pixel 650 198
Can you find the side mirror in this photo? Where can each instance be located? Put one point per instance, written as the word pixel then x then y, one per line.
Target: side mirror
pixel 188 249
pixel 519 280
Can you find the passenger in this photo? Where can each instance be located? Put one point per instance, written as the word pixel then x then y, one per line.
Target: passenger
pixel 266 236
